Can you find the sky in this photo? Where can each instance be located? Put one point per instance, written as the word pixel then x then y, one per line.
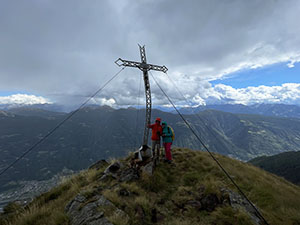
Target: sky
pixel 217 52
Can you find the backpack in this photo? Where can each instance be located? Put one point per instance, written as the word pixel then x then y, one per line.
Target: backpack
pixel 172 131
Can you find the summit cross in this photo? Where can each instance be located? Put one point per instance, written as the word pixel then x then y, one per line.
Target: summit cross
pixel 144 67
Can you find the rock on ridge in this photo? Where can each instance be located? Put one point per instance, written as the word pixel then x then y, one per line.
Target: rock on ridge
pixel 84 211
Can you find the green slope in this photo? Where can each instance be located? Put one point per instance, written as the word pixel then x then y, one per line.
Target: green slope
pixel 169 193
pixel 104 132
pixel 286 165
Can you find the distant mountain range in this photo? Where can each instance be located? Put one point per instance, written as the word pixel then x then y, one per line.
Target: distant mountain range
pixel 279 110
pixel 103 132
pixel 35 111
pixel 285 164
pixel 47 107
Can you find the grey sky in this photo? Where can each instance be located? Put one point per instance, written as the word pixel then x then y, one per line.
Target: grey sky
pixel 65 49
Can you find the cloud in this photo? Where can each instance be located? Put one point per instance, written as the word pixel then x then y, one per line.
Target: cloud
pixel 62 51
pixel 23 99
pixel 288 93
pixel 103 101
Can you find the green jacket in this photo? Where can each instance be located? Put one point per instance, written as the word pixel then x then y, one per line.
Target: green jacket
pixel 167 134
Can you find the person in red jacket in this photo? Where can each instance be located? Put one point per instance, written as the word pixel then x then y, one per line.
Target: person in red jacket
pixel 156 134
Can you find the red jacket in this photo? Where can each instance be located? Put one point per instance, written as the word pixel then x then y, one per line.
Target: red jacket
pixel 156 131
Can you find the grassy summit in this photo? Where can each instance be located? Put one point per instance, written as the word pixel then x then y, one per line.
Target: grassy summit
pixel 170 196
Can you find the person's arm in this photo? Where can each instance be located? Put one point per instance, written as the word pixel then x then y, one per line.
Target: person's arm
pixel 160 131
pixel 151 126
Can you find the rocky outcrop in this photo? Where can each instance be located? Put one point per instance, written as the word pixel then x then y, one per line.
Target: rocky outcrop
pixel 81 212
pixel 128 175
pixel 202 201
pixel 97 209
pixel 209 202
pixel 98 165
pixel 239 202
pixel 113 168
pixel 84 211
pixel 94 210
pixel 148 168
pixel 118 171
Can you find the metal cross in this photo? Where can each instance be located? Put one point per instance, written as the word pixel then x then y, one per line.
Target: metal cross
pixel 143 66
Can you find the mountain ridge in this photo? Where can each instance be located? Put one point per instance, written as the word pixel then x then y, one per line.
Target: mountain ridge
pixel 278 110
pixel 192 190
pixel 95 133
pixel 286 164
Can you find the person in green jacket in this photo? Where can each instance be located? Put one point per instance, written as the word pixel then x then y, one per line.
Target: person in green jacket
pixel 167 141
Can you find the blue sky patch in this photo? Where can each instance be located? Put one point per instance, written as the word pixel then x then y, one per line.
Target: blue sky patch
pixel 274 75
pixel 8 93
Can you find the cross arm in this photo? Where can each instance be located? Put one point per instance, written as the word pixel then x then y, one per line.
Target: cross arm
pixel 122 62
pixel 141 66
pixel 158 68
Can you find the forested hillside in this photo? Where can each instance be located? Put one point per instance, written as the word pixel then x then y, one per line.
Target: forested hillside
pixel 285 164
pixel 103 132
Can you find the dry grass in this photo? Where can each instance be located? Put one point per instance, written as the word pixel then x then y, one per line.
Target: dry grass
pixel 278 198
pixel 169 188
pixel 48 209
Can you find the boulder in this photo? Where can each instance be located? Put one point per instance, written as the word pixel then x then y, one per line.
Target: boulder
pixel 98 165
pixel 87 211
pixel 113 168
pixel 129 175
pixel 239 202
pixel 209 202
pixel 140 213
pixel 124 192
pixel 206 202
pixel 148 168
pixel 194 203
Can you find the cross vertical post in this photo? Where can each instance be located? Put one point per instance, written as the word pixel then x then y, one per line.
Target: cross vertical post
pixel 144 67
pixel 147 94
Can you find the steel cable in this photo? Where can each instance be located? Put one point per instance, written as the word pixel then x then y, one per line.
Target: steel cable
pixel 60 124
pixel 206 148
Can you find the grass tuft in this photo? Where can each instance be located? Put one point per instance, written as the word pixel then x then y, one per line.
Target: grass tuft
pixel 163 198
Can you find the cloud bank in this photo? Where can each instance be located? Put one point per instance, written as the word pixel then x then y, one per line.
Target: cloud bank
pixel 23 99
pixel 288 93
pixel 64 51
